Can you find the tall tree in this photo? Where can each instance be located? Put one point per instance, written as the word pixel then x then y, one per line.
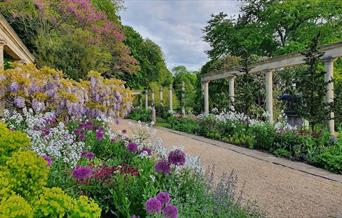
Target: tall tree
pixel 151 61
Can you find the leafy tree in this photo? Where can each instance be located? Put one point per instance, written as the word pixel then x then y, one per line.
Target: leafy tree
pixel 181 74
pixel 268 28
pixel 151 61
pixel 90 27
pixel 312 88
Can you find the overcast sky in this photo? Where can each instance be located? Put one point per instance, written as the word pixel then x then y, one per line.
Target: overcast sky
pixel 176 26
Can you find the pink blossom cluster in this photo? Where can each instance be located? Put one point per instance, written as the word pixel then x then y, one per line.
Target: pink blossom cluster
pixel 86 13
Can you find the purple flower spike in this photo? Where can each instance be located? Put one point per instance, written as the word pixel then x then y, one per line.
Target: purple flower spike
pixel 153 205
pixel 170 211
pixel 177 157
pixel 132 147
pixel 87 154
pixel 164 198
pixel 162 166
pixel 48 160
pixel 19 102
pixel 82 172
pixel 14 87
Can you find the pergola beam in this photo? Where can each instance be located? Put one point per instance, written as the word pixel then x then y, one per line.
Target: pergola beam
pixel 330 51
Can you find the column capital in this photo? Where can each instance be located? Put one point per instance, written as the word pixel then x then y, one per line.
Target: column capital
pixel 2 42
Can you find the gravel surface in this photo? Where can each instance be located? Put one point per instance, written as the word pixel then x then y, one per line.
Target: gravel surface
pixel 279 190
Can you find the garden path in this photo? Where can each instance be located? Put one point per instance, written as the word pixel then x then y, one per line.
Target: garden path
pixel 281 188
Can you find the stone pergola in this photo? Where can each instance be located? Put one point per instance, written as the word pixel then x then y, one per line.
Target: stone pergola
pixel 268 67
pixel 11 45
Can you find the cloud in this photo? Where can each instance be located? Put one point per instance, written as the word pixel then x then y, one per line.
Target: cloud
pixel 176 25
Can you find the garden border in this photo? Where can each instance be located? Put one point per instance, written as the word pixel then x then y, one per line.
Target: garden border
pixel 262 156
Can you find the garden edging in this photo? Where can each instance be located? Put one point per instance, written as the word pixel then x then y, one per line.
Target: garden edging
pixel 262 156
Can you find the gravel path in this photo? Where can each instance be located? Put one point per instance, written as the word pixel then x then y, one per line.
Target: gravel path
pixel 281 188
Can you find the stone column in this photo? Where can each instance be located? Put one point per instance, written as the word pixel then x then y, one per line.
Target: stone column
pixel 269 95
pixel 329 68
pixel 161 95
pixel 2 62
pixel 153 108
pixel 170 99
pixel 146 99
pixel 183 98
pixel 231 82
pixel 2 88
pixel 206 97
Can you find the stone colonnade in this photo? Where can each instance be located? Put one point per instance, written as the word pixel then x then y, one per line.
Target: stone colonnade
pixel 268 67
pixel 10 44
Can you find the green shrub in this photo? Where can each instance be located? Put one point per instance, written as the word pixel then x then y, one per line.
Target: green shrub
pixel 331 158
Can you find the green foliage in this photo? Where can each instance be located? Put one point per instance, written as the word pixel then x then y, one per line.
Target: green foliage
pixel 11 141
pixel 181 74
pixel 140 114
pixel 53 202
pixel 331 158
pixel 15 206
pixel 57 30
pixel 267 28
pixel 312 88
pixel 151 61
pixel 23 180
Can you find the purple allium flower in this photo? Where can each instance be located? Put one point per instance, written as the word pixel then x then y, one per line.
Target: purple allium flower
pixel 170 211
pixel 78 131
pixel 87 154
pixel 88 125
pixel 147 150
pixel 100 134
pixel 82 137
pixel 177 157
pixel 153 205
pixel 81 172
pixel 19 102
pixel 162 166
pixel 14 87
pixel 48 159
pixel 132 147
pixel 164 198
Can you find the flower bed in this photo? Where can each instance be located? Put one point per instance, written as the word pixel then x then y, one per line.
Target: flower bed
pixel 57 163
pixel 316 148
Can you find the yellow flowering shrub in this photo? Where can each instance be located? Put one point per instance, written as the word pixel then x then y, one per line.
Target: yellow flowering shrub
pixel 28 173
pixel 11 141
pixel 23 177
pixel 15 206
pixel 53 202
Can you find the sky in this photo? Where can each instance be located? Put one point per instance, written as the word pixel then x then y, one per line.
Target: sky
pixel 176 26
